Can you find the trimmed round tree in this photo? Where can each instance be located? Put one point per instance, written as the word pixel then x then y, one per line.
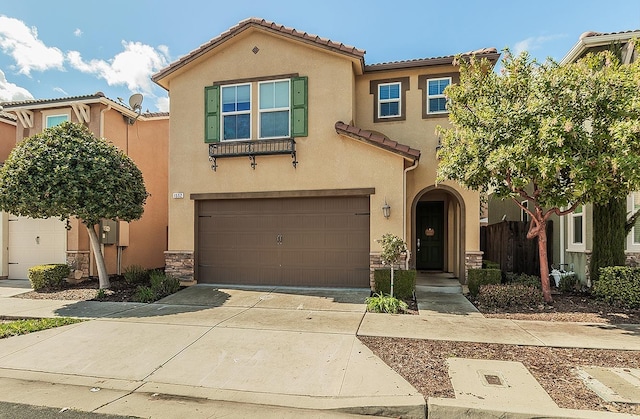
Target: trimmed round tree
pixel 65 172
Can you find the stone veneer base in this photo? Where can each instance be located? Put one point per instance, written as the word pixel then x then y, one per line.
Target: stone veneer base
pixel 180 264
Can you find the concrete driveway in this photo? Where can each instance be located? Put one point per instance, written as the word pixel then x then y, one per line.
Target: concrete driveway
pixel 274 346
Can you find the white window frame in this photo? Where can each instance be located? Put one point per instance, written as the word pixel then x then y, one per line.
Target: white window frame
pixel 53 113
pixel 571 245
pixel 524 215
pixel 438 96
pixel 398 100
pixel 260 111
pixel 631 245
pixel 249 112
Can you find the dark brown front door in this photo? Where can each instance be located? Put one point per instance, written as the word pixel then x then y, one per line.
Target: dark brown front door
pixel 287 241
pixel 430 235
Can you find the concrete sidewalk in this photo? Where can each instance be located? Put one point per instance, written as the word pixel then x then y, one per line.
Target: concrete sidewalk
pixel 208 348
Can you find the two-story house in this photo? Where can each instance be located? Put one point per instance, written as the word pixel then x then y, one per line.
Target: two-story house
pixel 289 157
pixel 144 138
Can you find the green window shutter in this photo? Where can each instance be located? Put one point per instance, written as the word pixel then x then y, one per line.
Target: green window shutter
pixel 299 107
pixel 212 114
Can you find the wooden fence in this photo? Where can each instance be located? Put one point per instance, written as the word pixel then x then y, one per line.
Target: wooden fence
pixel 506 243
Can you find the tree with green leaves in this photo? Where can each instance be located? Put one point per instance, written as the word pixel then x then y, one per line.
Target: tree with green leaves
pixel 65 172
pixel 534 132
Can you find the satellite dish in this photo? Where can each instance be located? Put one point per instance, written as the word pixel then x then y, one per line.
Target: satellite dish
pixel 135 102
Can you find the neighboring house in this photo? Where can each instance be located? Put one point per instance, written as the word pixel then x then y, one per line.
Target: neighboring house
pixel 577 239
pixel 145 139
pixel 572 233
pixel 289 157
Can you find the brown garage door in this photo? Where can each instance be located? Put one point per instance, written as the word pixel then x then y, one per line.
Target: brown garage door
pixel 321 242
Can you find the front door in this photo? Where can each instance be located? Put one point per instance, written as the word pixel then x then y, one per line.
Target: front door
pixel 430 236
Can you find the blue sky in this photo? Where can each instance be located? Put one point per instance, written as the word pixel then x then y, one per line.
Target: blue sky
pixel 52 49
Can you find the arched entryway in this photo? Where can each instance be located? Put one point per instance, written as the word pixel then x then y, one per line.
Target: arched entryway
pixel 437 234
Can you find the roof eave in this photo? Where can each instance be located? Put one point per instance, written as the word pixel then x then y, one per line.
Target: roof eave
pixel 427 62
pixel 587 42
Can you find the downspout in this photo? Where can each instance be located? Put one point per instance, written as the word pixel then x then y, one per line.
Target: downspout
pixel 404 208
pixel 561 242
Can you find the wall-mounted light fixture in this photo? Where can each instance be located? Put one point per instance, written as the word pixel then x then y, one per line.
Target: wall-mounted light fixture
pixel 386 209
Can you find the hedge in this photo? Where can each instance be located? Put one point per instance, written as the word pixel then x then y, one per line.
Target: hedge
pixel 619 286
pixel 48 276
pixel 404 282
pixel 479 277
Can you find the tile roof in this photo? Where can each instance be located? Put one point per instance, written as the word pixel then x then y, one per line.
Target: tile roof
pixel 592 33
pixel 265 24
pixel 98 96
pixel 8 116
pixel 490 53
pixel 21 103
pixel 378 140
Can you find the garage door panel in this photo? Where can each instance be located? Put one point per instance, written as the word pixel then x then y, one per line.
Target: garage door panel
pixel 292 241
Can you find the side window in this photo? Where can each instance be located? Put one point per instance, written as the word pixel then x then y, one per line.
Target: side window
pixel 53 120
pixel 577 226
pixel 436 100
pixel 236 112
pixel 274 99
pixel 635 230
pixel 524 215
pixel 389 99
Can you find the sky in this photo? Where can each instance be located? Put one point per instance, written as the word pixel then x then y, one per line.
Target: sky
pixel 57 49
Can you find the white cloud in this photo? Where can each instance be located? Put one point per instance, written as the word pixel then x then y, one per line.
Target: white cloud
pixel 162 103
pixel 22 43
pixel 533 43
pixel 78 32
pixel 132 67
pixel 10 92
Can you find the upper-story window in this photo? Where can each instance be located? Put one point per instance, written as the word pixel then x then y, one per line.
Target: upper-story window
pixel 633 206
pixel 389 102
pixel 234 112
pixel 274 109
pixel 436 100
pixel 53 120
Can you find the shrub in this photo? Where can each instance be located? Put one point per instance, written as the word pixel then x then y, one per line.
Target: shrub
pixel 144 295
pixel 523 279
pixel 619 285
pixel 568 282
pixel 404 282
pixel 502 296
pixel 487 264
pixel 163 284
pixel 479 277
pixel 136 275
pixel 381 303
pixel 48 276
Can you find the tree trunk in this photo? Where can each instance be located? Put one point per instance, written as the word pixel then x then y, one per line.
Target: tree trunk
pixel 544 261
pixel 609 235
pixel 103 277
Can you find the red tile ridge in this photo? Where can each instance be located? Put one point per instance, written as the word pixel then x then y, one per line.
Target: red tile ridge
pixel 377 139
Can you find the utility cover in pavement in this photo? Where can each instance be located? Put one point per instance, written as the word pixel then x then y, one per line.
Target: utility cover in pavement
pixel 620 385
pixel 496 383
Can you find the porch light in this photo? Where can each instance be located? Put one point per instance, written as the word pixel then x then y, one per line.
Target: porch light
pixel 386 209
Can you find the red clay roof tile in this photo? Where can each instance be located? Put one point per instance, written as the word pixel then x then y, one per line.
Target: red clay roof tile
pixel 378 140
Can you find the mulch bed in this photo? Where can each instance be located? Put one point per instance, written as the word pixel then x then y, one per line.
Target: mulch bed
pixel 120 291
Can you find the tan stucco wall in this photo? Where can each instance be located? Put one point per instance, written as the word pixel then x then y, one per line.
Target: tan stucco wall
pixel 419 133
pixel 326 160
